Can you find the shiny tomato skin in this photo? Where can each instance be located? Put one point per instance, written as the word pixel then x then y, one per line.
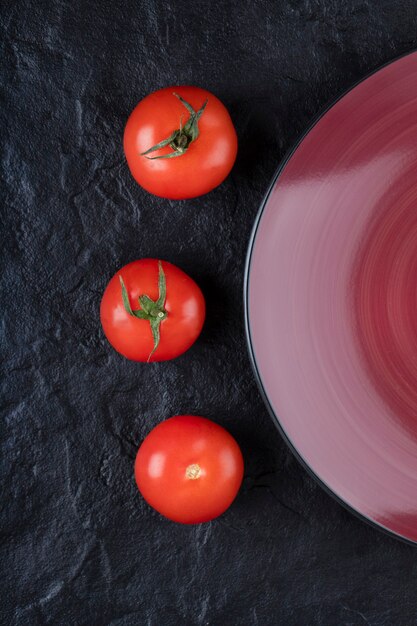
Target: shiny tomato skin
pixel 132 337
pixel 170 450
pixel 208 159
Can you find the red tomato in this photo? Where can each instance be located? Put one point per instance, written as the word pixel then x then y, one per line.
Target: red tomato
pixel 199 153
pixel 189 469
pixel 152 311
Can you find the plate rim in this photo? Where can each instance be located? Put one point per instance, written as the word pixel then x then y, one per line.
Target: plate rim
pixel 281 166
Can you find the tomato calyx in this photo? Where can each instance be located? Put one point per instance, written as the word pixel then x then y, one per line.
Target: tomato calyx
pixel 152 311
pixel 182 137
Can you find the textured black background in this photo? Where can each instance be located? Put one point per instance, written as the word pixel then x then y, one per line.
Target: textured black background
pixel 79 545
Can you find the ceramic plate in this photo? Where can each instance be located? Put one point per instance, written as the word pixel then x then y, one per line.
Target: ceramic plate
pixel 331 298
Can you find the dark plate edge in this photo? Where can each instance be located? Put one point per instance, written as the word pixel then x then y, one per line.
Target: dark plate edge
pixel 252 359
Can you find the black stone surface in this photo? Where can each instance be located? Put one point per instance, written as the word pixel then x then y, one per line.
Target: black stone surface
pixel 79 545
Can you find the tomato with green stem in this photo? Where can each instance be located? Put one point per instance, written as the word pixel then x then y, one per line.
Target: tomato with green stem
pixel 152 311
pixel 180 142
pixel 189 469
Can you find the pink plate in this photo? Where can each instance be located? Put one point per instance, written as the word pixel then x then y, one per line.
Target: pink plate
pixel 331 298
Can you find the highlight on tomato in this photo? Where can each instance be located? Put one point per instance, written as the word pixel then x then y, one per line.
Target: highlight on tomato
pixel 152 311
pixel 180 142
pixel 189 469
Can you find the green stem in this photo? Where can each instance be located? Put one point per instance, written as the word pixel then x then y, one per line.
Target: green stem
pixel 181 139
pixel 153 312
